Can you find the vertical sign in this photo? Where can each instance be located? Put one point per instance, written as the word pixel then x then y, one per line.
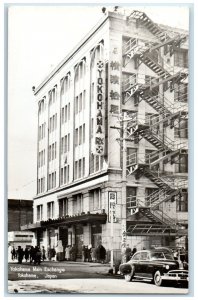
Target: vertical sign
pixel 112 199
pixel 114 78
pixel 123 241
pixel 99 134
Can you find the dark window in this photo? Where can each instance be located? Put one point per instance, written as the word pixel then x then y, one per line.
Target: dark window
pixel 182 202
pixel 181 166
pixel 181 58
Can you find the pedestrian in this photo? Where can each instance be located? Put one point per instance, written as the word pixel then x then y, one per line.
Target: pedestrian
pixel 52 253
pixel 128 253
pixel 102 253
pixel 89 253
pixel 37 255
pixel 93 254
pixel 13 253
pixel 176 254
pixel 49 252
pixel 32 254
pixel 83 253
pixel 134 250
pixel 27 254
pixel 43 252
pixel 20 253
pixel 67 253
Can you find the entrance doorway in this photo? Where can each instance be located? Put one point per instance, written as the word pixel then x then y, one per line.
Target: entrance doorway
pixel 79 241
pixel 96 235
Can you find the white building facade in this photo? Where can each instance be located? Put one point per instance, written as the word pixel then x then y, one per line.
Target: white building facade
pixel 112 139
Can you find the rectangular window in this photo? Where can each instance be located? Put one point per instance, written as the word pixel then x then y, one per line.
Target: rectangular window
pixel 80 135
pixel 76 105
pixel 80 168
pixel 68 173
pixel 181 58
pixel 52 151
pixel 61 179
pixel 97 163
pixel 84 99
pixel 181 130
pixel 63 207
pixel 69 111
pixel 50 148
pixel 39 212
pixel 131 196
pixel 62 115
pixel 182 202
pixel 80 102
pixel 50 210
pixel 83 166
pixel 65 150
pixel 181 92
pixel 68 142
pixel 76 137
pixel 83 133
pixel 65 174
pixel 62 145
pixel 181 166
pixel 76 170
pixel 66 113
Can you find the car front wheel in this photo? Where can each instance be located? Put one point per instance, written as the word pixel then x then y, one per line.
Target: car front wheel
pixel 157 278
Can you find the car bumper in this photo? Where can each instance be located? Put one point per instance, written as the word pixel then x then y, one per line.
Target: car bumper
pixel 176 276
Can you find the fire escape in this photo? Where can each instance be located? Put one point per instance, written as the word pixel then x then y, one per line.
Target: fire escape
pixel 167 114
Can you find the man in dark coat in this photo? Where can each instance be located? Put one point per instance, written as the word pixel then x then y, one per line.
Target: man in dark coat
pixel 102 253
pixel 20 254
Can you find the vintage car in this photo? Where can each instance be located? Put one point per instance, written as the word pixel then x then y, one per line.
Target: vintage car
pixel 156 265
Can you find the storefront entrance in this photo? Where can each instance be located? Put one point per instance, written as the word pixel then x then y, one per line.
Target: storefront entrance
pixel 79 240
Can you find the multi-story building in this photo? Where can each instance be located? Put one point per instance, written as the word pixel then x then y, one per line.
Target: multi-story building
pixel 112 139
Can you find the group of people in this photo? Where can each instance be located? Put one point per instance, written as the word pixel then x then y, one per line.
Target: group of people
pixel 89 253
pixel 30 254
pixel 130 252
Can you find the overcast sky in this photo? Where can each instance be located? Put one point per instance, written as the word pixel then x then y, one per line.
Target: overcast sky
pixel 39 37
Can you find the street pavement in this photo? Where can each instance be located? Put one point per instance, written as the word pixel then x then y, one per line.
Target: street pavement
pixel 77 278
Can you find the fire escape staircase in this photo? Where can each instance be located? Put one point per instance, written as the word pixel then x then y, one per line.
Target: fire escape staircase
pixel 159 221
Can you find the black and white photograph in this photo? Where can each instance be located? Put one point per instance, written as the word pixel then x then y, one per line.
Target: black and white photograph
pixel 98 149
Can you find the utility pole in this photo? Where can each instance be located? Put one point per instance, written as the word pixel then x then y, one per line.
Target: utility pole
pixel 123 207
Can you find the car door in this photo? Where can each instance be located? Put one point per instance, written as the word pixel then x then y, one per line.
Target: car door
pixel 144 267
pixel 135 262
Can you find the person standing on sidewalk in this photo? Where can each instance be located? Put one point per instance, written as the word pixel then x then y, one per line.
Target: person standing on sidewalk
pixel 67 253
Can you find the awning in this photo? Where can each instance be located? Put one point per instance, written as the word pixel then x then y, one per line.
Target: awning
pixel 69 220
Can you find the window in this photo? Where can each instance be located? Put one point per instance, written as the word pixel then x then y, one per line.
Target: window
pixel 181 92
pixel 76 170
pixel 52 180
pixel 66 145
pixel 80 135
pixel 83 133
pixel 39 212
pixel 137 256
pixel 92 127
pixel 181 58
pixel 181 166
pixel 76 137
pixel 80 169
pixel 62 115
pixel 84 99
pixel 69 111
pixel 76 105
pixel 63 207
pixel 50 210
pixel 78 204
pixel 69 142
pixel 80 102
pixel 83 166
pixel 61 176
pixel 95 199
pixel 151 195
pixel 131 196
pixel 181 130
pixel 131 156
pixel 182 202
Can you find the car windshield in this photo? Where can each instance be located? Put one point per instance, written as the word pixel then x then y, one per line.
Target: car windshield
pixel 161 255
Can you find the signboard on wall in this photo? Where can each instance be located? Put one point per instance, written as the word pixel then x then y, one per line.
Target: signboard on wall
pixel 112 200
pixel 99 128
